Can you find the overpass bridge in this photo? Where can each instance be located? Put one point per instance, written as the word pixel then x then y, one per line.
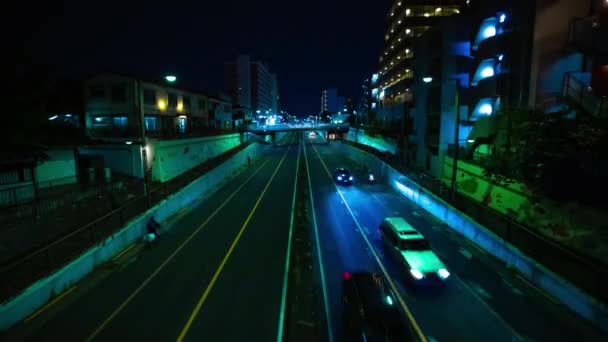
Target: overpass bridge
pixel 272 129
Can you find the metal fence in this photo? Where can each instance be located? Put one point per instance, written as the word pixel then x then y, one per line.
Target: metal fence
pixel 580 92
pixel 587 273
pixel 18 273
pixel 25 193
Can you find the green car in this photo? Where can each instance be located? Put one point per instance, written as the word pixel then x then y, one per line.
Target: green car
pixel 408 247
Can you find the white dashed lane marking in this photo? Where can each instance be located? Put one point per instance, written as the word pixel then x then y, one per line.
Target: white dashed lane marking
pixel 513 289
pixel 480 291
pixel 465 253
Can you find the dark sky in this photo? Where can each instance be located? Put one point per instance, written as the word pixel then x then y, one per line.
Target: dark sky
pixel 310 44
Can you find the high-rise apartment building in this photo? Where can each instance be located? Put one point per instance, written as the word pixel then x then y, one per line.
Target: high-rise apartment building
pixel 331 102
pixel 252 85
pixel 407 20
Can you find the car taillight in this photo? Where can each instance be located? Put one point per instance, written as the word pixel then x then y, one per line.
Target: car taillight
pixel 346 275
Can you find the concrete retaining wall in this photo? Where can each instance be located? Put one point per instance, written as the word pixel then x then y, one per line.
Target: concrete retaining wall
pixel 171 158
pixel 565 292
pixel 379 143
pixel 39 293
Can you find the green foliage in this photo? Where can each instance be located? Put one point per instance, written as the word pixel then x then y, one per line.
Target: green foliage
pixel 559 157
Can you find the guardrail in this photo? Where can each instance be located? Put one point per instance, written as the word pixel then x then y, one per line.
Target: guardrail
pixel 18 273
pixel 585 272
pixel 580 92
pixel 289 127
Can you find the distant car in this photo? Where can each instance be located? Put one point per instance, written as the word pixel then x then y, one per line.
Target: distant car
pixel 411 249
pixel 370 310
pixel 342 176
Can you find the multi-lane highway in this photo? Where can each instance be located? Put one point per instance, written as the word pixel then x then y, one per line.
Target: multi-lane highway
pixel 218 274
pixel 483 301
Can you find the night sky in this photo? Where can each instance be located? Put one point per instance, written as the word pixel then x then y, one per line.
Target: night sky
pixel 310 44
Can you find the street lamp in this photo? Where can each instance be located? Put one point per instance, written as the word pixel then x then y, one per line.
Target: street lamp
pixel 171 78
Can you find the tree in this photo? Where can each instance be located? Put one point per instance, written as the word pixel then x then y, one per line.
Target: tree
pixel 562 158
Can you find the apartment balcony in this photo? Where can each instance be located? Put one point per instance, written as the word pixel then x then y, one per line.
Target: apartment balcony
pixel 506 43
pixel 577 88
pixel 133 133
pixel 113 132
pixel 588 36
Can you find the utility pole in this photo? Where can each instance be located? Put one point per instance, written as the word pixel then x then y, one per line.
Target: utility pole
pixel 456 140
pixel 142 132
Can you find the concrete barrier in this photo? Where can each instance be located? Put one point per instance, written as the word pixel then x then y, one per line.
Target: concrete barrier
pixel 561 289
pixel 39 293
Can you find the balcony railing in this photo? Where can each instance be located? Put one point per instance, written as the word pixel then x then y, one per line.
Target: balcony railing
pixel 168 133
pixel 585 34
pixel 577 88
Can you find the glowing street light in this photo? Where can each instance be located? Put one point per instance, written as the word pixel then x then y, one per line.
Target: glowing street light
pixel 171 78
pixel 427 79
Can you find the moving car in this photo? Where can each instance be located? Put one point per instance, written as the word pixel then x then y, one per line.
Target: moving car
pixel 342 176
pixel 370 310
pixel 412 250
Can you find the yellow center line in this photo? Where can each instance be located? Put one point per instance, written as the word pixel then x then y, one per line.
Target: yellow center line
pixel 201 301
pixel 162 266
pixel 49 304
pixel 406 309
pixel 124 251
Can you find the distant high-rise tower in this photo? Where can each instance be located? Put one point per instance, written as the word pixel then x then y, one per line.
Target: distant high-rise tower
pixel 251 84
pixel 330 102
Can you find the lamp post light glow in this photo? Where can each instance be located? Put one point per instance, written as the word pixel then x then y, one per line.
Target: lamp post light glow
pixel 170 78
pixel 427 79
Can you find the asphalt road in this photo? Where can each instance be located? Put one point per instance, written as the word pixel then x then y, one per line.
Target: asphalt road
pixel 483 300
pixel 217 275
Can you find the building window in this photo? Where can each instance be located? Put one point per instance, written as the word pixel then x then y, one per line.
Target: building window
pixel 97 92
pixel 186 101
pixel 149 96
pixel 172 100
pixel 118 93
pixel 151 123
pixel 101 121
pixel 120 121
pixel 181 124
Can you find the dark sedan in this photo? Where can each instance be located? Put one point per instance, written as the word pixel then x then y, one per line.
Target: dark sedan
pixel 342 176
pixel 371 310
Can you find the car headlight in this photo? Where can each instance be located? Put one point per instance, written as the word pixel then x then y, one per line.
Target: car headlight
pixel 443 273
pixel 350 178
pixel 417 274
pixel 371 177
pixel 339 178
